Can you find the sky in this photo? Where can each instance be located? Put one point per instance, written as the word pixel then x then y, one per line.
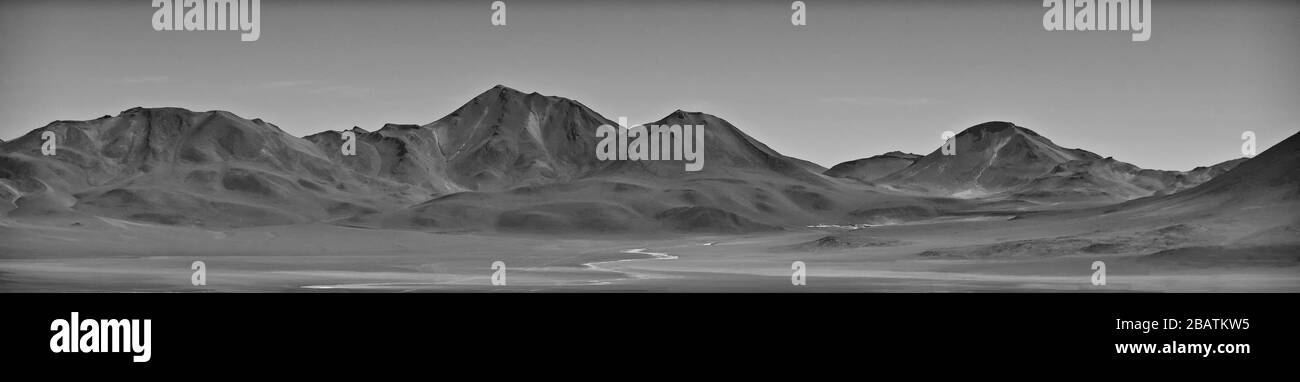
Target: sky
pixel 860 79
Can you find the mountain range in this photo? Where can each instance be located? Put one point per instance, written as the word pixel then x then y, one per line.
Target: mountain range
pixel 1004 161
pixel 525 162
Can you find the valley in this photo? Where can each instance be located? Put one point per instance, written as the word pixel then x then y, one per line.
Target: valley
pixel 939 256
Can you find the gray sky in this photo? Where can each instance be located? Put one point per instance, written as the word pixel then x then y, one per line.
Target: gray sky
pixel 860 79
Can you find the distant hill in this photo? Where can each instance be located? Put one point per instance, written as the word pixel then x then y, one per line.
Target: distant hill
pixel 1268 181
pixel 876 167
pixel 1247 213
pixel 175 166
pixel 999 160
pixel 504 138
pixel 1112 181
pixel 991 157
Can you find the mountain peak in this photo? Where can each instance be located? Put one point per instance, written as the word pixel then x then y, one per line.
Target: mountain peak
pixel 399 126
pixel 875 167
pixel 504 137
pixel 182 113
pixel 997 127
pixel 680 116
pixel 501 94
pixel 503 88
pixel 899 154
pixel 498 93
pixel 164 109
pixel 991 157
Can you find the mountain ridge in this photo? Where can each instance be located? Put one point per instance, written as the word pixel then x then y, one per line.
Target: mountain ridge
pixel 874 167
pixel 523 160
pixel 172 165
pixel 1001 160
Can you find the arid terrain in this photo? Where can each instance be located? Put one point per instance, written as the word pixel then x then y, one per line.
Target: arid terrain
pixel 954 255
pixel 129 202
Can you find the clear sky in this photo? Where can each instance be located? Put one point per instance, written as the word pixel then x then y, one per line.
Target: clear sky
pixel 862 78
